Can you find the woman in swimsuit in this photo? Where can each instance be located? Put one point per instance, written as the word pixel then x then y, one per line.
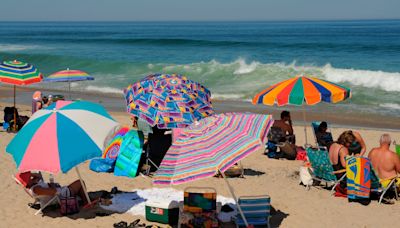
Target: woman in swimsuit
pixel 339 150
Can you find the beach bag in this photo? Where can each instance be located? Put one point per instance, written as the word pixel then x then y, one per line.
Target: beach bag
pixel 68 203
pixel 102 165
pixel 305 176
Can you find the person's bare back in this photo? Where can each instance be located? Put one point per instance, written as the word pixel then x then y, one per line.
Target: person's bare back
pixel 384 161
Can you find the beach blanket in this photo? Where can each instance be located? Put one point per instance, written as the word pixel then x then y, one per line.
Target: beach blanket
pixel 358 171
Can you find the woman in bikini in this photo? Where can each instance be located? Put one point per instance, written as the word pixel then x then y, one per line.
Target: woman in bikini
pixel 339 150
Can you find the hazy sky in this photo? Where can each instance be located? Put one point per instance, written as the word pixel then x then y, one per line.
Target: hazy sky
pixel 190 10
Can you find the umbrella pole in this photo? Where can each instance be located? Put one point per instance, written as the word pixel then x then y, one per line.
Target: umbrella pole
pixel 234 197
pixel 305 124
pixel 69 90
pixel 15 110
pixel 83 185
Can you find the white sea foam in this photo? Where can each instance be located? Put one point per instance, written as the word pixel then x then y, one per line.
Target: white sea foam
pixel 17 47
pixel 370 79
pixel 390 106
pixel 104 89
pixel 245 68
pixel 220 96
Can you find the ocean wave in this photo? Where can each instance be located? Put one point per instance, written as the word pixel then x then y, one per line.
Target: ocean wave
pixel 17 47
pixel 390 106
pixel 104 89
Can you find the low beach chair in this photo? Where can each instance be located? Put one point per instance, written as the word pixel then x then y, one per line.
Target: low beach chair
pixel 322 169
pixel 256 209
pixel 315 126
pixel 21 182
pixel 199 208
pixel 376 186
pixel 397 148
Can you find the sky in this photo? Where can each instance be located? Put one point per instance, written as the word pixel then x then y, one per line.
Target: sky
pixel 196 10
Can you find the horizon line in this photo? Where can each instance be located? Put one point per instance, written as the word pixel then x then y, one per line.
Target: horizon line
pixel 226 20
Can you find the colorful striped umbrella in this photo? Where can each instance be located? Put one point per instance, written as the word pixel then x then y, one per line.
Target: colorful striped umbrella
pixel 302 90
pixel 69 76
pixel 168 101
pixel 18 73
pixel 61 136
pixel 213 144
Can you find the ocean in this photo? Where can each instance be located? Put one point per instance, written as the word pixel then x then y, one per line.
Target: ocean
pixel 235 60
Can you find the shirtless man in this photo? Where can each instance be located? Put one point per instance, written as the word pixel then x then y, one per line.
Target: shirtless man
pixel 285 123
pixel 385 162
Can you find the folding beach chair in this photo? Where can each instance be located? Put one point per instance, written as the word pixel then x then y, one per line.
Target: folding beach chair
pixel 376 186
pixel 21 182
pixel 322 169
pixel 256 209
pixel 315 126
pixel 199 208
pixel 397 148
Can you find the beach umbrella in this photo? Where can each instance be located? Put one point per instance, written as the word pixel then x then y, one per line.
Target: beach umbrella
pixel 68 76
pixel 60 137
pixel 168 101
pixel 302 90
pixel 211 146
pixel 18 74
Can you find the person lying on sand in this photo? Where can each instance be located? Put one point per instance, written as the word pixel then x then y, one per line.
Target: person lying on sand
pixel 46 191
pixel 385 162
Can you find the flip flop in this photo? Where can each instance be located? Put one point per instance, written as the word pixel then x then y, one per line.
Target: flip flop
pixel 121 224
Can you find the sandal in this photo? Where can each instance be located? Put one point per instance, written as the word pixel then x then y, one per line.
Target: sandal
pixel 121 224
pixel 134 223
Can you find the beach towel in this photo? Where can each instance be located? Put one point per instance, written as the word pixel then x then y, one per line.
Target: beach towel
pixel 130 152
pixel 358 173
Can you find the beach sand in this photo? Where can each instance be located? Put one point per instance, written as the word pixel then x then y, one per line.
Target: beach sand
pixel 293 205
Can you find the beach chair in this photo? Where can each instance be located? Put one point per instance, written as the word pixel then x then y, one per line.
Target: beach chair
pixel 315 126
pixel 256 209
pixel 21 182
pixel 397 148
pixel 376 186
pixel 322 169
pixel 199 208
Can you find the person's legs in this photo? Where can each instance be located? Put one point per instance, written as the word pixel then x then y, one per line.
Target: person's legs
pixel 77 190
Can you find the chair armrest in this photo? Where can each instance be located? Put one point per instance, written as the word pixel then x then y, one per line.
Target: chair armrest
pixel 339 171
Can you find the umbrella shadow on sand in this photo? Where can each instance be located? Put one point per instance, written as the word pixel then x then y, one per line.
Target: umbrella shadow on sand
pixel 122 202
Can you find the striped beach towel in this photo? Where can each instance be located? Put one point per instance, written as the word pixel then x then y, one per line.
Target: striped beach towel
pixel 358 171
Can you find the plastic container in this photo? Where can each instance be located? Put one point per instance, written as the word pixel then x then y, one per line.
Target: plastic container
pixel 162 212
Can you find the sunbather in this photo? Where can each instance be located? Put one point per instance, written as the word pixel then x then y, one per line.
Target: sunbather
pixel 339 150
pixel 285 123
pixel 385 162
pixel 358 146
pixel 46 191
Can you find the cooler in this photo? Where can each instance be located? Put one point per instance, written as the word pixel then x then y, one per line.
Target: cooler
pixel 162 212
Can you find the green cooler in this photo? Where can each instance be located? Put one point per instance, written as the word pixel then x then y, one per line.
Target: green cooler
pixel 162 212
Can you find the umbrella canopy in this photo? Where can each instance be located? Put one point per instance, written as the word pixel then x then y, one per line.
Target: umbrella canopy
pixel 61 136
pixel 300 90
pixel 213 144
pixel 168 101
pixel 69 76
pixel 19 73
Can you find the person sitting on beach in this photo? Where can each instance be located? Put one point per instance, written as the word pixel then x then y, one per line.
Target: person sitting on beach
pixel 45 101
pixel 285 124
pixel 385 162
pixel 324 138
pixel 358 146
pixel 339 150
pixel 36 101
pixel 46 191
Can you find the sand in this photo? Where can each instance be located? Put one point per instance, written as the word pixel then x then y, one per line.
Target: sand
pixel 293 205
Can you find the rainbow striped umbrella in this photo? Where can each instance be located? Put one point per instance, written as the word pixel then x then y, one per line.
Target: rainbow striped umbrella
pixel 302 90
pixel 69 76
pixel 213 144
pixel 18 73
pixel 168 101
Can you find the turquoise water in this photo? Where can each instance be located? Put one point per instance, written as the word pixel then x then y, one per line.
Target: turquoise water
pixel 234 60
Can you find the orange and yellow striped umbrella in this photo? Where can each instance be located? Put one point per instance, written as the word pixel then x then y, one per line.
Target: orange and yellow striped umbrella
pixel 300 90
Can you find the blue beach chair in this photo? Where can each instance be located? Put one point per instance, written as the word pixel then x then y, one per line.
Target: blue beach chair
pixel 322 169
pixel 256 209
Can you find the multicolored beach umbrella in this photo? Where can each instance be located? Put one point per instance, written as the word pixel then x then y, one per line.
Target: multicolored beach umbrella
pixel 168 101
pixel 302 90
pixel 212 145
pixel 18 73
pixel 61 136
pixel 69 76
